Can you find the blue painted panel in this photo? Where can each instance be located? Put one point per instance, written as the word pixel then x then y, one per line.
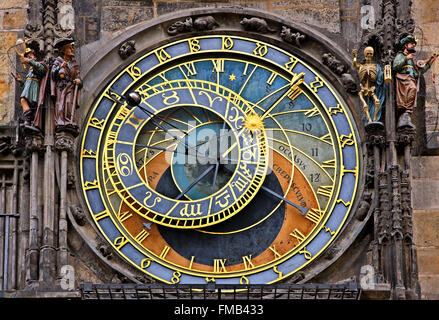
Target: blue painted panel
pixel 95 201
pixel 210 43
pixel 262 277
pixel 103 108
pixel 178 49
pixel 347 188
pixel 92 139
pixel 319 242
pixel 89 169
pixel 277 57
pixel 337 216
pixel 121 84
pixel 349 157
pixel 109 229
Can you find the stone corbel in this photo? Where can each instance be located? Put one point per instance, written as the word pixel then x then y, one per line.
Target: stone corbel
pixel 64 142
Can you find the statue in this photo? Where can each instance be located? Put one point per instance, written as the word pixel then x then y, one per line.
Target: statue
pixel 373 90
pixel 407 79
pixel 34 85
pixel 65 85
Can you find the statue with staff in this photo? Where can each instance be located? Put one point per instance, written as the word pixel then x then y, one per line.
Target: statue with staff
pixel 34 85
pixel 65 86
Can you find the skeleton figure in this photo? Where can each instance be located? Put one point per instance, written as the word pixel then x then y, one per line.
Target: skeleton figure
pixel 372 85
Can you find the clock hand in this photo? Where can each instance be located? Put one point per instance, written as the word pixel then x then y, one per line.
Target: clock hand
pixel 301 209
pixel 133 99
pixel 232 146
pixel 152 115
pixel 196 181
pixel 295 82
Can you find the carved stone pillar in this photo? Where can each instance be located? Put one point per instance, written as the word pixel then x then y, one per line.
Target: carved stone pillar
pixel 64 144
pixel 34 145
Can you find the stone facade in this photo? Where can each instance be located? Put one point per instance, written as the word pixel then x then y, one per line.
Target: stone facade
pixel 98 22
pixel 13 16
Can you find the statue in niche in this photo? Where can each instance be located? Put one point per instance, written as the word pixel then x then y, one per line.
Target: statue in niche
pixel 407 77
pixel 34 85
pixel 373 91
pixel 65 86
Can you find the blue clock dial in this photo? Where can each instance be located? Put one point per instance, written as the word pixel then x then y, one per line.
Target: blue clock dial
pixel 240 164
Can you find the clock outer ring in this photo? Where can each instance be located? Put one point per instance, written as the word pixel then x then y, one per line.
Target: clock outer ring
pixel 354 228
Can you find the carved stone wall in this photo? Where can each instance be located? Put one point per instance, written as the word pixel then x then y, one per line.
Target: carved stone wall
pixel 426 15
pixel 425 181
pixel 13 16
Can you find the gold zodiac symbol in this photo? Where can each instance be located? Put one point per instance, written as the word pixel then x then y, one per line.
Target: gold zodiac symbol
pixel 173 96
pixel 148 195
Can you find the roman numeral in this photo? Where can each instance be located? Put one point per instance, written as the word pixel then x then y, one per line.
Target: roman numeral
pixel 329 164
pixel 164 252
pixel 298 235
pixel 325 191
pixel 276 254
pixel 218 65
pixel 122 216
pixel 190 69
pixel 314 215
pixel 141 236
pixel 326 138
pixel 271 79
pixel 102 215
pixel 248 264
pixel 219 265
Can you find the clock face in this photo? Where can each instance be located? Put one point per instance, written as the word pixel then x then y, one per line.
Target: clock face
pixel 240 164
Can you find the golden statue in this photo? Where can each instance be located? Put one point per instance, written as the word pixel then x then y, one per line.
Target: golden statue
pixel 372 93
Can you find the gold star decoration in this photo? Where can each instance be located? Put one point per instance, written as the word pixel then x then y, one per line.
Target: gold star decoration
pixel 232 77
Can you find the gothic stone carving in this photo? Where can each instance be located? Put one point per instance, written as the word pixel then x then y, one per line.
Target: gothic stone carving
pixel 364 206
pixel 333 63
pixel 127 48
pixel 294 38
pixel 199 24
pixel 257 25
pixel 64 142
pixel 340 69
pixel 79 215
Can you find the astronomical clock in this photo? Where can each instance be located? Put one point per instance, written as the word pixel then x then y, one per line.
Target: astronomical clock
pixel 217 157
